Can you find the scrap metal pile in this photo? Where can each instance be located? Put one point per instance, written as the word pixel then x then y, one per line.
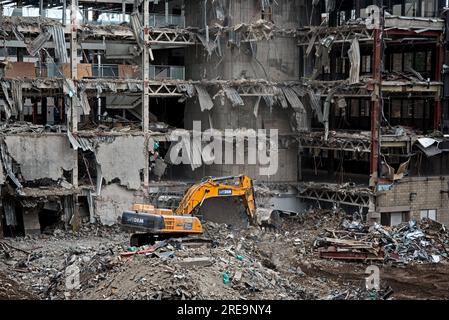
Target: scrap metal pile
pixel 425 241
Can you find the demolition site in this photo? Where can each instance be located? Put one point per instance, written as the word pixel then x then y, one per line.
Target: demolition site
pixel 224 149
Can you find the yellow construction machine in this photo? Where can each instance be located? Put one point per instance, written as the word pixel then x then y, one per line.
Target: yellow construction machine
pixel 147 222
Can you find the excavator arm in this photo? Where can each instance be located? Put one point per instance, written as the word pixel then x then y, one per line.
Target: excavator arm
pixel 215 188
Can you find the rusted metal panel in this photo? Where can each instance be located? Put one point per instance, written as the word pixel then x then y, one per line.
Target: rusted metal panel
pixel 20 70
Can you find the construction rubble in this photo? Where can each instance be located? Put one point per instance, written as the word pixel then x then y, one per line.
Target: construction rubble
pixel 426 241
pixel 224 263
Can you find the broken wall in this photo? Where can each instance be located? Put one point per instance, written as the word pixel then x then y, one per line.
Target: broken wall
pixel 123 159
pixel 41 156
pixel 428 193
pixel 113 200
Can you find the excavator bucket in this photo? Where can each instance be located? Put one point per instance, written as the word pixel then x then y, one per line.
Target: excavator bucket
pixel 230 211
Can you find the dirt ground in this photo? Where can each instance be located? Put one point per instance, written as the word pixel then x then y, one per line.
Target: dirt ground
pixel 242 264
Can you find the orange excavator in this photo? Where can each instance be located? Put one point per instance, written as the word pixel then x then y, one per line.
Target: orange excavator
pixel 147 222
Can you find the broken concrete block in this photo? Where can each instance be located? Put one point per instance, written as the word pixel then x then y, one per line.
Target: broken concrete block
pixel 237 276
pixel 199 261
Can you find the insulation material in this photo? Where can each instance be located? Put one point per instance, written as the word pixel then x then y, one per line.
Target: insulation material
pixel 73 141
pixel 354 58
pixel 315 104
pixel 300 91
pixel 10 106
pixel 204 98
pixel 326 111
pixel 256 106
pixel 37 44
pixel 210 46
pixel 234 97
pixel 135 87
pixel 16 91
pixel 84 101
pixel 281 98
pixel 136 26
pixel 187 88
pixel 57 33
pixel 293 99
pixel 299 120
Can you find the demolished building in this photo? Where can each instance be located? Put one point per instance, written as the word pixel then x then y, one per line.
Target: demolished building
pixel 92 90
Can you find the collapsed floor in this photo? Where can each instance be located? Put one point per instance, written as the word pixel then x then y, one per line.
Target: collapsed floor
pixel 235 264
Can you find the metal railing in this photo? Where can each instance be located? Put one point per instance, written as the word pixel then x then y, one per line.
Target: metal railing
pixel 167 73
pixel 112 71
pixel 105 71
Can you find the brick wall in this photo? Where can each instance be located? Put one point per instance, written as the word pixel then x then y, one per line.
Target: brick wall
pixel 428 196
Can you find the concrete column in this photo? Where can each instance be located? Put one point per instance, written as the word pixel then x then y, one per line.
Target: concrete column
pixel 64 9
pixel 145 94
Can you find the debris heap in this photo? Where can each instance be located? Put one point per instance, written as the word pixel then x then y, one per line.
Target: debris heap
pixel 424 241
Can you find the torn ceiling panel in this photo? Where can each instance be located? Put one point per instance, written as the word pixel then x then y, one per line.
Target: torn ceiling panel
pixel 122 159
pixel 57 33
pixel 354 58
pixel 38 43
pixel 42 157
pixel 206 102
pixel 234 97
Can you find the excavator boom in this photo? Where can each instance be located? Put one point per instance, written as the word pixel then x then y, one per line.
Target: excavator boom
pixel 216 188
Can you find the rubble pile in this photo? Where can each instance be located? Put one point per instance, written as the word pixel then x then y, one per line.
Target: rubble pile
pixel 97 262
pixel 41 262
pixel 426 241
pixel 233 264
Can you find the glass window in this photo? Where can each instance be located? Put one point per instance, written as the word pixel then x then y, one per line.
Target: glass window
pixel 429 214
